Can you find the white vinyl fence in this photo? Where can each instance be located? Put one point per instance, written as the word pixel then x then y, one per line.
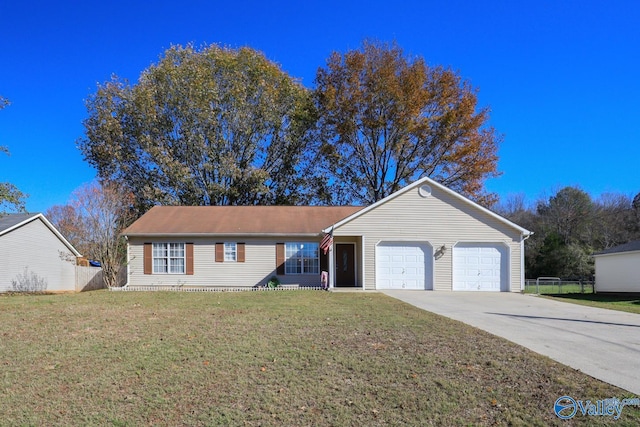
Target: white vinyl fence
pixel 90 278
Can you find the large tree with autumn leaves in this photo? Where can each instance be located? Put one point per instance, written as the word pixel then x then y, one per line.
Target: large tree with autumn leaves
pixel 218 126
pixel 387 119
pixel 203 126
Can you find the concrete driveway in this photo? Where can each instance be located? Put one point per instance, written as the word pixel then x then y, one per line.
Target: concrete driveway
pixel 602 343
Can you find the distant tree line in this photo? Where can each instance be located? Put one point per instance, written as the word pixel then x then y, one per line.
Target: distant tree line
pixel 569 227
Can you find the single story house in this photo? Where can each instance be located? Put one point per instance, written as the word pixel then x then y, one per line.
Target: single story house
pixel 424 236
pixel 34 256
pixel 618 268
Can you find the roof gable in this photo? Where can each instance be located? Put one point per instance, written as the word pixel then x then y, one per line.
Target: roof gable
pixel 626 247
pixel 430 182
pixel 10 222
pixel 238 220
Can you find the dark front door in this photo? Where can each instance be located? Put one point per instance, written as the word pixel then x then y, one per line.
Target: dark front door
pixel 345 265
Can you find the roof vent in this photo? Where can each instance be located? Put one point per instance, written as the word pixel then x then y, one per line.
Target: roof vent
pixel 424 191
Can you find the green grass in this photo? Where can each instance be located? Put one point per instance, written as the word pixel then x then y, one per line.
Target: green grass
pixel 269 358
pixel 621 302
pixel 568 288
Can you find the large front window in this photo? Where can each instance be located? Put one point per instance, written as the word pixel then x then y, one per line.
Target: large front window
pixel 302 258
pixel 168 258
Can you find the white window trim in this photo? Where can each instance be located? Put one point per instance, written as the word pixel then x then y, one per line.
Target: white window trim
pixel 301 259
pixel 168 257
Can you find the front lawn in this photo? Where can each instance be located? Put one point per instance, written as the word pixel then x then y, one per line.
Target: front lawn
pixel 269 358
pixel 621 302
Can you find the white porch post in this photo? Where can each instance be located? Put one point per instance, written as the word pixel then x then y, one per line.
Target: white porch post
pixel 362 263
pixel 522 273
pixel 332 282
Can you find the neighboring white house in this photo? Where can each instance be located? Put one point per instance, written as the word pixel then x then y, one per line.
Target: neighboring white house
pixel 618 268
pixel 34 255
pixel 424 236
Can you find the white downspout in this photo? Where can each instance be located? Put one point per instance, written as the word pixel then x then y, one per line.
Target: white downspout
pixel 126 283
pixel 362 263
pixel 522 276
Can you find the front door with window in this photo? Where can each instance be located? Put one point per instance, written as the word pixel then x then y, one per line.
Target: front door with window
pixel 345 265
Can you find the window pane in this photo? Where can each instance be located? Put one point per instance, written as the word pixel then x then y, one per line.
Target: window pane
pixel 230 250
pixel 302 258
pixel 176 250
pixel 310 250
pixel 177 265
pixel 292 249
pixel 159 250
pixel 293 266
pixel 311 266
pixel 159 265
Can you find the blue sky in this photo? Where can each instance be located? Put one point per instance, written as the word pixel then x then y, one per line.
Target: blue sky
pixel 561 77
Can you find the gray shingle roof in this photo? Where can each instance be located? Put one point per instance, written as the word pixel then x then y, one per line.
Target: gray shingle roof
pixel 627 247
pixel 9 220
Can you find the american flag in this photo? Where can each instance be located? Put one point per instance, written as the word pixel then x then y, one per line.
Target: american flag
pixel 327 241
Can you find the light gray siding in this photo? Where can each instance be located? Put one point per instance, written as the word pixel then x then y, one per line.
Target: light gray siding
pixel 258 268
pixel 439 219
pixel 618 272
pixel 34 251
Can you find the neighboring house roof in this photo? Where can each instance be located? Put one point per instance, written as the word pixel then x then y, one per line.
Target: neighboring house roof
pixel 627 247
pixel 238 220
pixel 432 183
pixel 10 222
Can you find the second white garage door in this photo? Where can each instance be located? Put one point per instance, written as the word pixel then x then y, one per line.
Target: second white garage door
pixel 404 265
pixel 479 267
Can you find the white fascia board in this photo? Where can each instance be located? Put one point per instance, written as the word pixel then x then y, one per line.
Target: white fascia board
pixel 20 224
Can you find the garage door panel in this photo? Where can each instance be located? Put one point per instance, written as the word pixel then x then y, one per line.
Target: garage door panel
pixel 479 267
pixel 404 265
pixel 396 271
pixel 414 271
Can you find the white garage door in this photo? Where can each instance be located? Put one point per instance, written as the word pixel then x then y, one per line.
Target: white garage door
pixel 404 265
pixel 479 267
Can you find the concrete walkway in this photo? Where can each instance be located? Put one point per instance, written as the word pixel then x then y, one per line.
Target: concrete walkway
pixel 602 343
